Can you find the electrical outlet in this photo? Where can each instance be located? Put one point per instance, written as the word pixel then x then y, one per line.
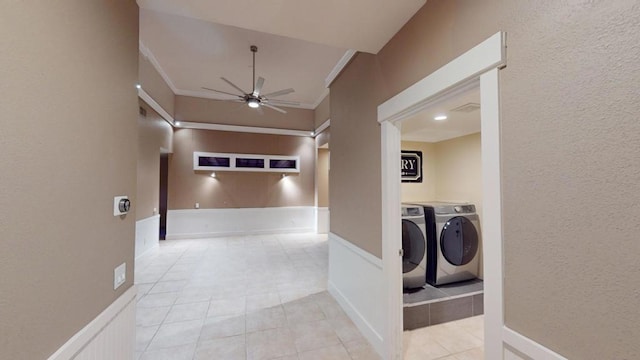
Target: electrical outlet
pixel 119 275
pixel 197 205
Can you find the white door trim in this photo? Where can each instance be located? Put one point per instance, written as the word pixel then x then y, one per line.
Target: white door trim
pixel 481 62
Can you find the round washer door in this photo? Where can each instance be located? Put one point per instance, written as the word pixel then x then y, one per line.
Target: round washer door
pixel 459 241
pixel 413 246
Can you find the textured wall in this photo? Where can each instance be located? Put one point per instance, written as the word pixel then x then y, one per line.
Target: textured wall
pixel 426 190
pixel 154 133
pixel 239 189
pixel 322 112
pixel 570 144
pixel 233 113
pixel 68 140
pixel 322 177
pixel 153 84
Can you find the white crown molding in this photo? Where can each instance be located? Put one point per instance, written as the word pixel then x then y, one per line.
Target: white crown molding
pixel 246 129
pixel 152 59
pixel 323 126
pixel 155 106
pixel 339 66
pixel 324 94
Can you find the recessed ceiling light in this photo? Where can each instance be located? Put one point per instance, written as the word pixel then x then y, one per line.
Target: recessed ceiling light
pixel 440 117
pixel 138 86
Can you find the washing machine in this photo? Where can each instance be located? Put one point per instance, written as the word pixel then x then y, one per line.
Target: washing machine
pixel 414 245
pixel 453 242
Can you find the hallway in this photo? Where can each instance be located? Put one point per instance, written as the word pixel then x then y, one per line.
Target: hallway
pixel 244 297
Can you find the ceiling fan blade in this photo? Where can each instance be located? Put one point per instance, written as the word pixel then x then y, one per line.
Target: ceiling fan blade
pixel 279 93
pixel 234 85
pixel 283 102
pixel 258 88
pixel 222 92
pixel 274 108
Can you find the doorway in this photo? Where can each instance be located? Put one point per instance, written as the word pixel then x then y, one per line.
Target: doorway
pixel 480 64
pixel 164 189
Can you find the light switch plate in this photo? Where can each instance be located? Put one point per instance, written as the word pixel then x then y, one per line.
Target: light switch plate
pixel 119 275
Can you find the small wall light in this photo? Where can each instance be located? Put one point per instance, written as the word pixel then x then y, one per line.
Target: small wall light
pixel 177 123
pixel 284 175
pixel 138 86
pixel 213 175
pixel 440 117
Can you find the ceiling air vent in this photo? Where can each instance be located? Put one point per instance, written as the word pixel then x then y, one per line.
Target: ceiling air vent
pixel 467 108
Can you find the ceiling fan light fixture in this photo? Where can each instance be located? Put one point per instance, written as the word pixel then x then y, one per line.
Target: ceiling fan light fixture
pixel 253 103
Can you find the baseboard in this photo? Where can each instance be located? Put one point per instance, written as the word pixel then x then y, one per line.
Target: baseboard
pixel 356 282
pixel 520 347
pixel 147 235
pixel 205 223
pixel 323 220
pixel 111 335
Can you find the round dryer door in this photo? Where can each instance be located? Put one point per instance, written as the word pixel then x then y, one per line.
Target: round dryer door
pixel 459 241
pixel 413 246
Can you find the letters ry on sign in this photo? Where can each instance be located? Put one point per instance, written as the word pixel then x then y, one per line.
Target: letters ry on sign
pixel 411 166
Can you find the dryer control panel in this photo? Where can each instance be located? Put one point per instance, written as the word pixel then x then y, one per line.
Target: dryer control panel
pixel 464 209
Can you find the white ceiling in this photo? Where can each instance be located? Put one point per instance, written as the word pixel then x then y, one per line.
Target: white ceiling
pixel 422 127
pixel 193 43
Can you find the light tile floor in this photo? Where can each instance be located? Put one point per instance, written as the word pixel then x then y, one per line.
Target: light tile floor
pixel 245 297
pixel 456 340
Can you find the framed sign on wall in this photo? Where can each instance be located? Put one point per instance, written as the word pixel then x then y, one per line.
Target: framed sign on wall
pixel 411 166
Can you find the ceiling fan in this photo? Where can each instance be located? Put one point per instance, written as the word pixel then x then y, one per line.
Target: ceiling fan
pixel 255 99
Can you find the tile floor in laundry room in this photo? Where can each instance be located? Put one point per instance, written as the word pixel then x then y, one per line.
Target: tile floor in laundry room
pixel 262 297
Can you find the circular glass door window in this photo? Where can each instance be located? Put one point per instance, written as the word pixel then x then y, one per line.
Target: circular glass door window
pixel 459 241
pixel 413 246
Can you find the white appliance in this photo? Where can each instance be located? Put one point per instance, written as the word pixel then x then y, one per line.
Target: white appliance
pixel 453 242
pixel 414 246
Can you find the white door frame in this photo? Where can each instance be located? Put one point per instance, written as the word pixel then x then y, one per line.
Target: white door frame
pixel 480 63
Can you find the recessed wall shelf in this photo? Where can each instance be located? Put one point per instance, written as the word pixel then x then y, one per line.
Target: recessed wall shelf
pixel 206 161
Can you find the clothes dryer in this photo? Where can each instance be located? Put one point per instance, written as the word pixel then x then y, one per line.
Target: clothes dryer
pixel 453 242
pixel 414 246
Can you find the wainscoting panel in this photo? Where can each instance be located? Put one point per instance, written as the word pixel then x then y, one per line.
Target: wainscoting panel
pixel 204 223
pixel 323 220
pixel 356 282
pixel 147 234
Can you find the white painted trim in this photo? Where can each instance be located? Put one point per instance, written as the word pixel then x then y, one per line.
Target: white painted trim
pixel 83 337
pixel 485 56
pixel 528 347
pixel 245 129
pixel 147 235
pixel 322 127
pixel 361 296
pixel 391 228
pixel 322 220
pixel 152 59
pixel 482 62
pixel 155 106
pixel 344 60
pixel 207 223
pixel 324 94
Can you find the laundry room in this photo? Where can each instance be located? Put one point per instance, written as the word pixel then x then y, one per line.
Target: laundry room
pixel 441 196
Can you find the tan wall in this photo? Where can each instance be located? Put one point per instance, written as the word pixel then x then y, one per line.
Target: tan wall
pixel 233 113
pixel 154 134
pixel 355 148
pixel 68 71
pixel 570 144
pixel 426 190
pixel 154 85
pixel 239 189
pixel 322 112
pixel 323 177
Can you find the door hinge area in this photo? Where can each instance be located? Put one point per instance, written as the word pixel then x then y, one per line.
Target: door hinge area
pixel 401 252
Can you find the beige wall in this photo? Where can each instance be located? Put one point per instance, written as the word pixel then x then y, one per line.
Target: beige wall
pixel 154 85
pixel 154 134
pixel 426 190
pixel 233 113
pixel 322 177
pixel 324 137
pixel 570 144
pixel 239 189
pixel 322 112
pixel 68 141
